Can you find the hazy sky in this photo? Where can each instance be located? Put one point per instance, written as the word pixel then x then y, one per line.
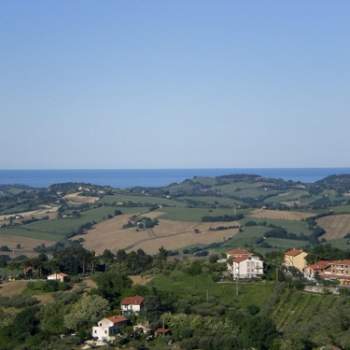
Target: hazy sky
pixel 182 83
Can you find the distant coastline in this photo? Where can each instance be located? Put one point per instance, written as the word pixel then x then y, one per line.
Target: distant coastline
pixel 123 178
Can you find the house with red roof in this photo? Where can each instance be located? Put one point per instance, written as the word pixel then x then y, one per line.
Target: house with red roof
pixel 108 327
pixel 338 270
pixel 295 258
pixel 132 304
pixel 243 264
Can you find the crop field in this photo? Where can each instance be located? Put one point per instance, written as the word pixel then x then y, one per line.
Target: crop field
pixel 281 243
pixel 280 214
pixel 336 226
pixel 27 244
pixel 291 226
pixel 295 196
pixel 297 309
pixel 341 209
pixel 171 235
pixel 119 199
pixel 53 230
pixel 50 212
pixel 245 190
pixel 206 201
pixel 195 214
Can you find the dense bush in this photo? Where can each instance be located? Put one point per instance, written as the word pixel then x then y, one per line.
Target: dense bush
pixel 47 286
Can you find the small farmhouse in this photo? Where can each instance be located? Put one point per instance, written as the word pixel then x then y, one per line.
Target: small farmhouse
pixel 133 304
pixel 59 276
pixel 244 265
pixel 108 327
pixel 295 258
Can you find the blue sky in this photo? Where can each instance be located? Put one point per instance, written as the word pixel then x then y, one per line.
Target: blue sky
pixel 174 84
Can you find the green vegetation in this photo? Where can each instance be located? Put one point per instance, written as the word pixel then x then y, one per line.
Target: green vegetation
pixel 57 229
pixel 195 214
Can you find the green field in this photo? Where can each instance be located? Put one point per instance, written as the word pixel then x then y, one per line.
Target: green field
pixel 184 285
pixel 57 229
pixel 195 214
pixel 148 200
pixel 291 226
pixel 206 201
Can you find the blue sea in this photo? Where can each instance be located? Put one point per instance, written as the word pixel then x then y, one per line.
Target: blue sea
pixel 155 177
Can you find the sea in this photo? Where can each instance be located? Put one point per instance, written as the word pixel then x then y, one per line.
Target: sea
pixel 124 178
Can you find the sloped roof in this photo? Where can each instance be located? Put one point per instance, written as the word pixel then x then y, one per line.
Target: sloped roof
pixel 117 319
pixel 320 265
pixel 134 300
pixel 294 252
pixel 341 262
pixel 238 252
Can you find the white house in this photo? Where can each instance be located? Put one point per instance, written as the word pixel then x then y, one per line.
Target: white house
pixel 58 276
pixel 132 304
pixel 244 265
pixel 108 327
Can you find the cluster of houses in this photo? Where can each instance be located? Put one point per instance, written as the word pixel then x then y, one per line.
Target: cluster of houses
pixel 243 264
pixel 107 328
pixel 332 270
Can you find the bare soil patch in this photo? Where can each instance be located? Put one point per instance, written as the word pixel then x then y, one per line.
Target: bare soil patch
pixel 336 226
pixel 170 234
pixel 279 214
pixel 50 212
pixel 78 198
pixel 141 280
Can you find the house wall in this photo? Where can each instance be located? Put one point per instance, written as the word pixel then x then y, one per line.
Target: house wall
pixel 104 331
pixel 250 268
pixel 299 261
pixel 131 308
pixel 56 278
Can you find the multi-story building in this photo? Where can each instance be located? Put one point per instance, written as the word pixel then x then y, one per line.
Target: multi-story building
pixel 242 264
pixel 295 258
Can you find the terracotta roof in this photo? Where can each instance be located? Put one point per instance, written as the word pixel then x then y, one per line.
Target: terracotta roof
pixel 320 265
pixel 341 262
pixel 294 252
pixel 117 319
pixel 135 300
pixel 239 259
pixel 162 331
pixel 238 252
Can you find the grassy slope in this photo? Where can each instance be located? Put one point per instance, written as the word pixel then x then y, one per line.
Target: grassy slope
pixel 57 229
pixel 140 199
pixel 292 226
pixel 294 311
pixel 183 285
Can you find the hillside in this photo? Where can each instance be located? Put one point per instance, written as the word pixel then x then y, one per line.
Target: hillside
pixel 280 211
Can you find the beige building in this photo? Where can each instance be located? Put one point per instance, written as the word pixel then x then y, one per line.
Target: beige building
pixel 295 258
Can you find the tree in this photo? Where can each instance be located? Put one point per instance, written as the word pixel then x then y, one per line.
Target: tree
pixel 85 312
pixel 112 284
pixel 52 318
